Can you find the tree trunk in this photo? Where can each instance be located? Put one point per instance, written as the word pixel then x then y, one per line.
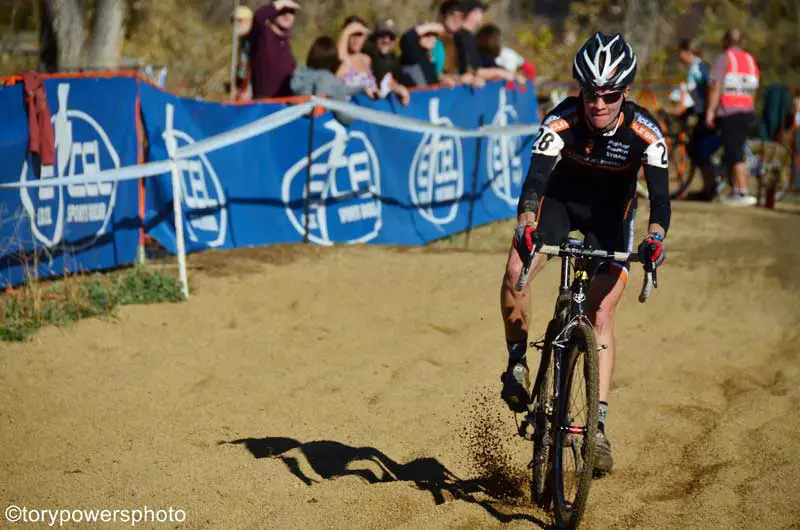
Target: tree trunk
pixel 65 17
pixel 107 34
pixel 641 28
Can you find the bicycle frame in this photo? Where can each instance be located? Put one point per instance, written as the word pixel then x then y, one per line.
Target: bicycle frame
pixel 570 307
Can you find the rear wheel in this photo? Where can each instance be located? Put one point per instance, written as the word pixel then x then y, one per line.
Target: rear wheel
pixel 576 427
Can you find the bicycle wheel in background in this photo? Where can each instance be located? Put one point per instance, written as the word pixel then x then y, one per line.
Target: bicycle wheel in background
pixel 771 165
pixel 541 493
pixel 680 167
pixel 768 163
pixel 576 427
pixel 680 172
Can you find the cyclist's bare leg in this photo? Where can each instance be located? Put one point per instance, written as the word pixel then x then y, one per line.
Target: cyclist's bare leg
pixel 514 308
pixel 605 292
pixel 514 305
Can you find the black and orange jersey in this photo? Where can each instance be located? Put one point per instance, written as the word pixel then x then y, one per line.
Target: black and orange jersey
pixel 570 160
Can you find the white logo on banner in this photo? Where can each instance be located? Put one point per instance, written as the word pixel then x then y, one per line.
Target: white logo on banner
pixel 201 192
pixel 436 178
pixel 337 177
pixel 503 156
pixel 78 152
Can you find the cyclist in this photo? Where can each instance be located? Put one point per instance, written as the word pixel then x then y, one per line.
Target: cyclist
pixel 697 86
pixel 602 140
pixel 734 81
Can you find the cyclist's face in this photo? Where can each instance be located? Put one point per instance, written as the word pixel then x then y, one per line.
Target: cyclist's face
pixel 602 107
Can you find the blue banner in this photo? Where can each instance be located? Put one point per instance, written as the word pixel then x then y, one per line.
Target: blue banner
pixel 231 197
pixel 367 182
pixel 53 230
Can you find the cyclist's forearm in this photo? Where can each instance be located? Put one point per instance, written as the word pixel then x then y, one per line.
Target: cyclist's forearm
pixel 658 189
pixel 535 183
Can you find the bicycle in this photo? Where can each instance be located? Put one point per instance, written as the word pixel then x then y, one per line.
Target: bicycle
pixel 551 421
pixel 769 164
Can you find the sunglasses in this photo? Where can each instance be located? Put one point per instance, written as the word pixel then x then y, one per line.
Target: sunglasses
pixel 430 34
pixel 609 97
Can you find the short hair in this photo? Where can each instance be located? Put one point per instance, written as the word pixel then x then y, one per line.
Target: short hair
pixel 689 45
pixel 488 39
pixel 733 37
pixel 323 55
pixel 449 6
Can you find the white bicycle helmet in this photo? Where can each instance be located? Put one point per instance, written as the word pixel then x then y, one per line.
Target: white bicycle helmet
pixel 605 61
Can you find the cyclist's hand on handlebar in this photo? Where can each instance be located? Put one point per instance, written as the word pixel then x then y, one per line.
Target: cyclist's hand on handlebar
pixel 652 251
pixel 526 240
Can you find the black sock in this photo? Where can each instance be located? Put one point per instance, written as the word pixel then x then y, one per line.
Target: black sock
pixel 516 352
pixel 602 416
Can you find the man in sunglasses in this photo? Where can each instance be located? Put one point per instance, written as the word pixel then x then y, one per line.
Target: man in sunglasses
pixel 602 140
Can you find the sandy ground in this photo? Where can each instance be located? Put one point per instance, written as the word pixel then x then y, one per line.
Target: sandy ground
pixel 357 387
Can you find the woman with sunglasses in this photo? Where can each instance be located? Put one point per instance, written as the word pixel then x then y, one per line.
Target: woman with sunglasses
pixel 582 176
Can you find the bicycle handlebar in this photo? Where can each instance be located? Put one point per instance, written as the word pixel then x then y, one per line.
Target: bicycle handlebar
pixel 553 250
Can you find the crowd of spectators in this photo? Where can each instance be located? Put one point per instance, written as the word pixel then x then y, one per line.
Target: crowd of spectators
pixel 376 59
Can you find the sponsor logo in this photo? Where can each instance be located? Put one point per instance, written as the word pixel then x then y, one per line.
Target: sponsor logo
pixel 206 212
pixel 82 148
pixel 503 155
pixel 644 133
pixel 436 177
pixel 344 193
pixel 648 124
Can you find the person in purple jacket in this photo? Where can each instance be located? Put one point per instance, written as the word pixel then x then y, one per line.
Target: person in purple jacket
pixel 271 52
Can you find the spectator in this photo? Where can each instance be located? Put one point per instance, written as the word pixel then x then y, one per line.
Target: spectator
pixel 243 19
pixel 356 67
pixel 700 139
pixel 416 46
pixel 469 59
pixel 445 54
pixel 380 47
pixel 318 75
pixel 493 54
pixel 734 81
pixel 271 56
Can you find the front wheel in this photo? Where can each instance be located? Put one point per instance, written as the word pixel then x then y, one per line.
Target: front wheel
pixel 576 427
pixel 542 412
